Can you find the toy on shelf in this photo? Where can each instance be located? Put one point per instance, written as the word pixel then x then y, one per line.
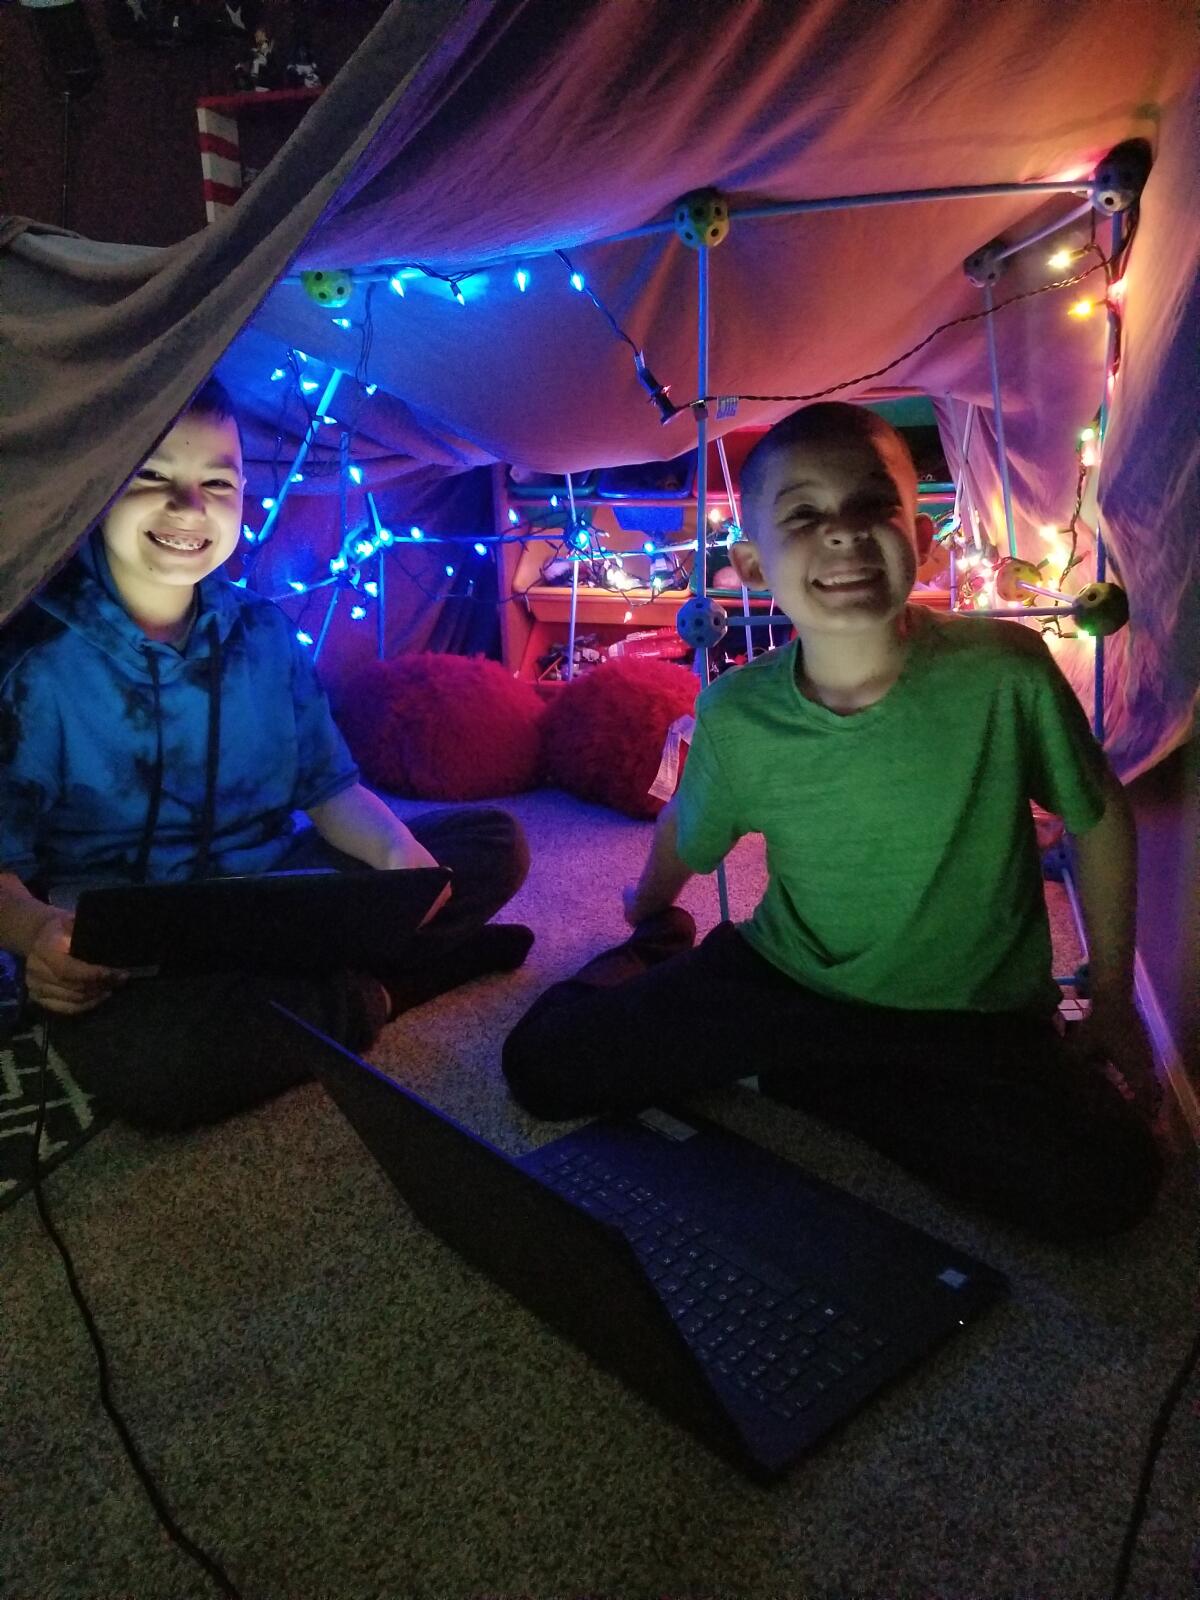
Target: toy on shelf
pixel 262 70
pixel 302 69
pixel 662 644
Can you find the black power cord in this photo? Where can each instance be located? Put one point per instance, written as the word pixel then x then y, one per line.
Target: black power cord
pixel 1158 1433
pixel 153 1493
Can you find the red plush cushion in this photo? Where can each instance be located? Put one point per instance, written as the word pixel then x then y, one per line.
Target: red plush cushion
pixel 442 727
pixel 603 734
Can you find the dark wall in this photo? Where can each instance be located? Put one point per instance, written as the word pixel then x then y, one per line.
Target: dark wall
pixel 135 162
pixel 1167 808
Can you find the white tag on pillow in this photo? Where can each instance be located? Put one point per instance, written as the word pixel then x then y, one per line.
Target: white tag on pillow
pixel 667 779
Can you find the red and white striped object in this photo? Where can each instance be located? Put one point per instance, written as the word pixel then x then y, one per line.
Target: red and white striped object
pixel 220 159
pixel 220 142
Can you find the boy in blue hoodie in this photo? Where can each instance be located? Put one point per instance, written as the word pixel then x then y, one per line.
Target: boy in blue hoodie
pixel 158 723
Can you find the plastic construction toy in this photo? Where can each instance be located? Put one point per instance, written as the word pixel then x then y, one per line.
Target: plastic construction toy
pixel 1098 610
pixel 701 622
pixel 702 218
pixel 1018 580
pixel 1101 609
pixel 328 286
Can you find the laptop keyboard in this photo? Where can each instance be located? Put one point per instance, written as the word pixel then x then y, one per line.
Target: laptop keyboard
pixel 784 1344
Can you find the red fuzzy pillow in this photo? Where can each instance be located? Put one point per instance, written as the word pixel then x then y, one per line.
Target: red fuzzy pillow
pixel 603 734
pixel 442 727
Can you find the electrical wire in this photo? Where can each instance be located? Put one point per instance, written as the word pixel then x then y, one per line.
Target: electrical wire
pixel 597 302
pixel 953 322
pixel 1158 1433
pixel 153 1493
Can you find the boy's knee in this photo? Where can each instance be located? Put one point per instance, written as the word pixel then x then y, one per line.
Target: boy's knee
pixel 533 1065
pixel 506 838
pixel 1106 1192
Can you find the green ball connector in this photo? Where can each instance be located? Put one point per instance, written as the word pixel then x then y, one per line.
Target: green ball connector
pixel 1101 609
pixel 328 287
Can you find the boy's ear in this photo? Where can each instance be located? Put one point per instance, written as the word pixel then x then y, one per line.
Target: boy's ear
pixel 924 529
pixel 744 559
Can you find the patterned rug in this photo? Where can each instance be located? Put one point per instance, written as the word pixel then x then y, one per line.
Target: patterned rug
pixel 71 1115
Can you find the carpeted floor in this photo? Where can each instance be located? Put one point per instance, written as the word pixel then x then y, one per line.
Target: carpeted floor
pixel 337 1407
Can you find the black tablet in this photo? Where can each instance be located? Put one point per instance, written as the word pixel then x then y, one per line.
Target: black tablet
pixel 311 921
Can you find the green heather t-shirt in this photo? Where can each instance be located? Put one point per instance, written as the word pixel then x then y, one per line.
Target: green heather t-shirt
pixel 901 853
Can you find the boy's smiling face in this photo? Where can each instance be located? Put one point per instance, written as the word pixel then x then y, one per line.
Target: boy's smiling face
pixel 834 533
pixel 180 515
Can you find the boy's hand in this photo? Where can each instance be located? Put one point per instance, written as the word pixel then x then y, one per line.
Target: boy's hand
pixel 1113 1033
pixel 60 982
pixel 638 905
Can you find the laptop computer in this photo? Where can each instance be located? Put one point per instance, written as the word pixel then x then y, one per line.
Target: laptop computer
pixel 313 921
pixel 752 1303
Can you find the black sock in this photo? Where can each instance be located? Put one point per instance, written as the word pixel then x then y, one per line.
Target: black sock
pixel 496 947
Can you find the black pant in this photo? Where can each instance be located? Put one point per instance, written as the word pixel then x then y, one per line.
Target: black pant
pixel 990 1108
pixel 169 1053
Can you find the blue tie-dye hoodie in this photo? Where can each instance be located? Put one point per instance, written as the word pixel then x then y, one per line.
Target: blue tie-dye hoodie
pixel 122 759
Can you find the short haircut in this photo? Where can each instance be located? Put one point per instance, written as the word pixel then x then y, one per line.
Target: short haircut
pixel 212 399
pixel 828 422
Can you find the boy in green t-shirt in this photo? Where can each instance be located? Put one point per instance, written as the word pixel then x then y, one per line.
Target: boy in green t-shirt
pixel 895 978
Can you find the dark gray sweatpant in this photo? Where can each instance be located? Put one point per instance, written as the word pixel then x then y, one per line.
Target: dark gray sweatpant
pixel 169 1053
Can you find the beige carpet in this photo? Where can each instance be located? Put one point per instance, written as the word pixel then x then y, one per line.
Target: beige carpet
pixel 338 1407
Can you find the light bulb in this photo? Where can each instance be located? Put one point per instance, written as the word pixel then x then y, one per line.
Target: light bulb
pixel 1081 309
pixel 294 583
pixel 267 503
pixel 371 588
pixel 449 570
pixel 278 374
pixel 341 322
pixel 415 533
pixel 357 613
pixel 480 548
pixel 304 638
pixel 521 279
pixel 356 474
pixel 396 285
pixel 1060 259
pixel 514 516
pixel 577 281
